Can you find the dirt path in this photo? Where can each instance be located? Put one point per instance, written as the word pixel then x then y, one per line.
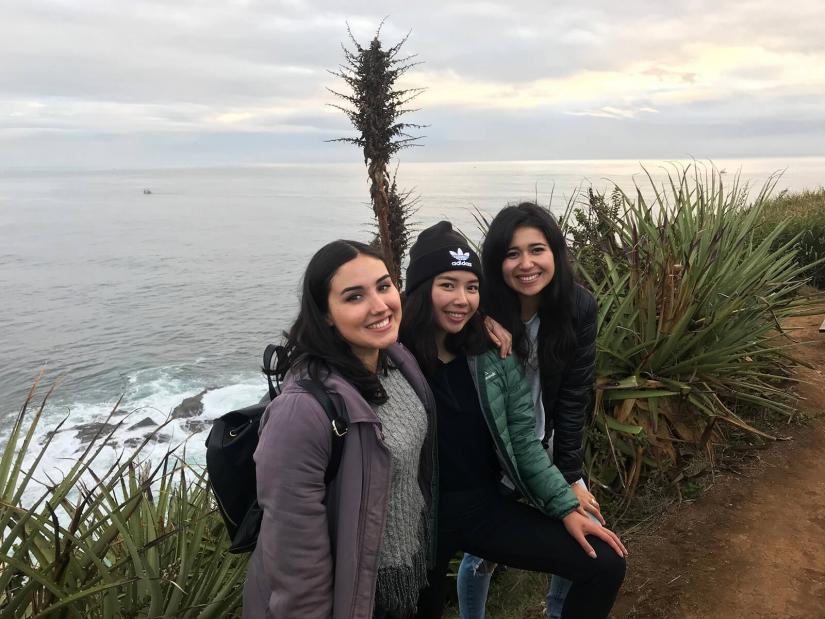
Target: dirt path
pixel 753 546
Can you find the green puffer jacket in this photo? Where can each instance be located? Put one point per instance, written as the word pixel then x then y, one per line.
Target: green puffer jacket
pixel 508 410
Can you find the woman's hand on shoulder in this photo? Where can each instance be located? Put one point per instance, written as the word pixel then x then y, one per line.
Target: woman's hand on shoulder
pixel 587 502
pixel 580 526
pixel 499 336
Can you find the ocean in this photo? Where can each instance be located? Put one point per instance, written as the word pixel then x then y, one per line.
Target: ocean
pixel 161 296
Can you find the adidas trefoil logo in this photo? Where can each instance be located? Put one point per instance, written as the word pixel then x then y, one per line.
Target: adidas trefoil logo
pixel 460 258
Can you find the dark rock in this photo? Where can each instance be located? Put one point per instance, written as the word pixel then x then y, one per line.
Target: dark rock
pixel 137 441
pixel 190 407
pixel 195 426
pixel 85 432
pixel 143 423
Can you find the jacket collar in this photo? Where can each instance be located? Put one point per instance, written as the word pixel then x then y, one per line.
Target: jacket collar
pixel 402 358
pixel 358 410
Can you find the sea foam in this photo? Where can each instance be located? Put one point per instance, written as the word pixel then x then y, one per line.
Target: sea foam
pixel 148 403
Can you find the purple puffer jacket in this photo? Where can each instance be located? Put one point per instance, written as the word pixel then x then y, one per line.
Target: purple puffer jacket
pixel 317 561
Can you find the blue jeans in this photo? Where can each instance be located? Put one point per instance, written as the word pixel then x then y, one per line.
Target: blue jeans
pixel 474 576
pixel 473 584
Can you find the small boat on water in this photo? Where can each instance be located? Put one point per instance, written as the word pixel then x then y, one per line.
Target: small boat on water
pixel 147 192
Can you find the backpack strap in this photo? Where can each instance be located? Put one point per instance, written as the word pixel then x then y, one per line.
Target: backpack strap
pixel 338 422
pixel 271 351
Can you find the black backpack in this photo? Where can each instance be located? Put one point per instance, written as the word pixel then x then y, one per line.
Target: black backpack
pixel 231 444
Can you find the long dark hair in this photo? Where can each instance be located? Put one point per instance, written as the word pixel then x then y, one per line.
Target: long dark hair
pixel 557 335
pixel 311 341
pixel 418 330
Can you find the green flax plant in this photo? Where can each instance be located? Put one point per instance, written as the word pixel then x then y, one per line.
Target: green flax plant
pixel 135 540
pixel 690 306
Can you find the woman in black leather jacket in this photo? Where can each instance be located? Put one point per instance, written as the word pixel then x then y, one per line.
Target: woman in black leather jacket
pixel 530 290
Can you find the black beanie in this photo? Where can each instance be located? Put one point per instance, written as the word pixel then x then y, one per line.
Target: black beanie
pixel 437 249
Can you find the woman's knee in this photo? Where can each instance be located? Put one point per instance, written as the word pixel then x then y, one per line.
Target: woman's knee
pixel 472 565
pixel 611 567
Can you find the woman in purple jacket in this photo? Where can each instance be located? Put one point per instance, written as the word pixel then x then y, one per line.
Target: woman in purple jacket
pixel 357 548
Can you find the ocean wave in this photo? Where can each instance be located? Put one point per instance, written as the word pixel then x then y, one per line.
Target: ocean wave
pixel 156 397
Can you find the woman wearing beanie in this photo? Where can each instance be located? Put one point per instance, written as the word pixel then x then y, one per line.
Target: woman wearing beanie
pixel 355 546
pixel 485 429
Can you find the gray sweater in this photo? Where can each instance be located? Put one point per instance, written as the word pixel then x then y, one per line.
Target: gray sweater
pixel 402 565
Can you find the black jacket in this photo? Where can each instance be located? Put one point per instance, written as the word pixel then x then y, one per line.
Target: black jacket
pixel 568 395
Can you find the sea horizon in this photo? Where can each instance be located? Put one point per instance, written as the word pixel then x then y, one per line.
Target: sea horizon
pixel 402 162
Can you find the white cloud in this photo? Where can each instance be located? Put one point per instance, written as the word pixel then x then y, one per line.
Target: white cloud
pixel 209 67
pixel 614 112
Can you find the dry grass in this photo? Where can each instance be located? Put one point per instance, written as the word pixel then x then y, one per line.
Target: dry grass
pixel 803 216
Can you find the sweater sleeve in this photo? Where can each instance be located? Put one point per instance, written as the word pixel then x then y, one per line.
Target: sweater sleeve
pixel 575 393
pixel 545 483
pixel 290 461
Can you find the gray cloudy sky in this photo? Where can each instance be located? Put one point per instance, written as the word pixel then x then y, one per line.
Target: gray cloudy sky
pixel 185 82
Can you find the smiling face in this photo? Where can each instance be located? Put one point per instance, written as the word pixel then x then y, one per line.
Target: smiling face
pixel 528 265
pixel 455 299
pixel 364 307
